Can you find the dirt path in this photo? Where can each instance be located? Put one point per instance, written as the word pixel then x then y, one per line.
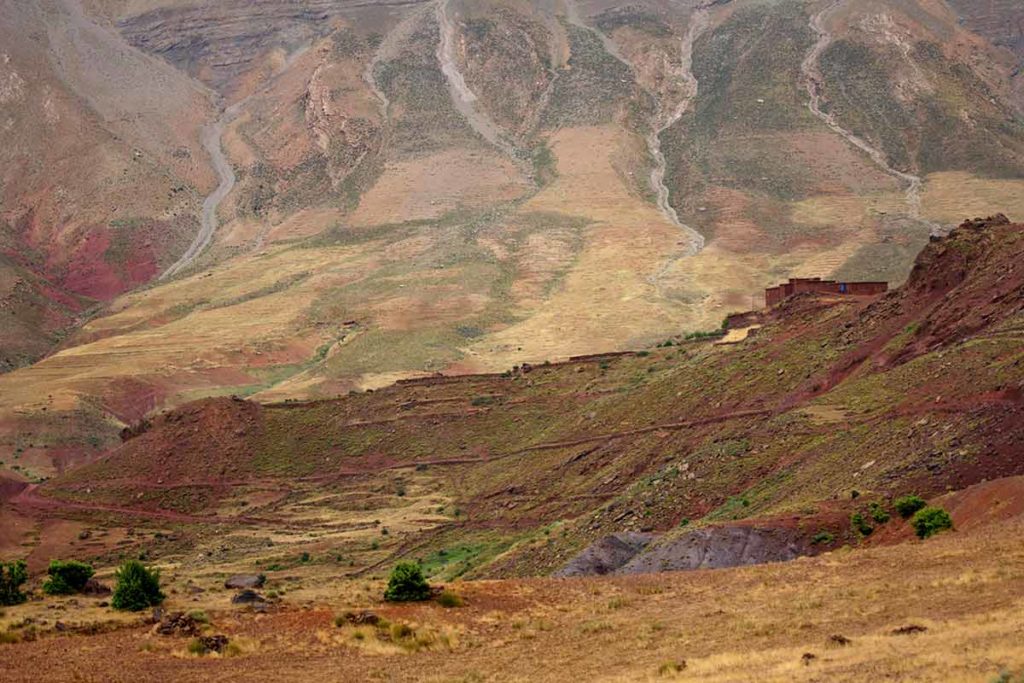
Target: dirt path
pixel 212 137
pixel 28 498
pixel 814 83
pixel 699 22
pixel 462 97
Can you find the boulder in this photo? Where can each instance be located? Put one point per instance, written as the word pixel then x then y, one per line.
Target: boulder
pixel 362 618
pixel 247 597
pixel 178 624
pixel 214 643
pixel 243 581
pixel 94 587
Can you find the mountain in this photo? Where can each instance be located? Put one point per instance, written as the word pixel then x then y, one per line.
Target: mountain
pixel 917 391
pixel 787 438
pixel 297 200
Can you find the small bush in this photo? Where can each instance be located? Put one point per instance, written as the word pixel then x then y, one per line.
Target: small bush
pixel 406 584
pixel 67 577
pixel 858 522
pixel 449 599
pixel 669 669
pixel 878 513
pixel 196 647
pixel 137 587
pixel 12 576
pixel 822 538
pixel 908 505
pixel 930 521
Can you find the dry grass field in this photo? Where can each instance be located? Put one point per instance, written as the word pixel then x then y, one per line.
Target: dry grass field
pixel 837 617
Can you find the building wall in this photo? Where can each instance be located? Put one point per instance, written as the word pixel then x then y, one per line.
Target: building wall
pixel 775 295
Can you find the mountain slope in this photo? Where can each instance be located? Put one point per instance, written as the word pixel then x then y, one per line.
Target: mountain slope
pixel 462 187
pixel 917 391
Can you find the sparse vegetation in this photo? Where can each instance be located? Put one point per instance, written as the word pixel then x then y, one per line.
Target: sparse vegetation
pixel 449 599
pixel 407 584
pixel 137 587
pixel 878 513
pixel 860 525
pixel 930 521
pixel 671 668
pixel 823 538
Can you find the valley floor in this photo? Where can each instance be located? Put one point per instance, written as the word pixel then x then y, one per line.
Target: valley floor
pixel 945 609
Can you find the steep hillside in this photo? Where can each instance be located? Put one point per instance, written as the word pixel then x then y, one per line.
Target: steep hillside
pixel 102 169
pixel 750 451
pixel 341 194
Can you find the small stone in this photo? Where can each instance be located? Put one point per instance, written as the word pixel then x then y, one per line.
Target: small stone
pixel 247 597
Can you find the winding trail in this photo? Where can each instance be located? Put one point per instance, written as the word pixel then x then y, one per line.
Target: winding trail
pixel 572 15
pixel 462 96
pixel 212 139
pixel 815 83
pixel 699 22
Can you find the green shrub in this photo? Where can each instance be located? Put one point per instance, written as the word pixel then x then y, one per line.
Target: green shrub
pixel 908 505
pixel 823 538
pixel 67 577
pixel 930 521
pixel 858 522
pixel 137 587
pixel 407 584
pixel 12 575
pixel 878 513
pixel 449 599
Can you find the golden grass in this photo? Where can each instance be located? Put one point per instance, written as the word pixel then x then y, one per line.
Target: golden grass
pixel 951 197
pixel 747 623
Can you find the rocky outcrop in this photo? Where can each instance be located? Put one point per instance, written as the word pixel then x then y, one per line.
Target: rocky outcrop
pixel 712 548
pixel 716 548
pixel 219 41
pixel 245 581
pixel 607 554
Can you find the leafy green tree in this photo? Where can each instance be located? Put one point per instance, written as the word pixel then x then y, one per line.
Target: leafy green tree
pixel 67 577
pixel 908 505
pixel 137 587
pixel 407 584
pixel 930 521
pixel 12 575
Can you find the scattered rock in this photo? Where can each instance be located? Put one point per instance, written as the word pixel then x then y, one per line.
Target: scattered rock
pixel 838 640
pixel 178 624
pixel 909 629
pixel 362 618
pixel 94 587
pixel 808 658
pixel 247 597
pixel 214 643
pixel 243 581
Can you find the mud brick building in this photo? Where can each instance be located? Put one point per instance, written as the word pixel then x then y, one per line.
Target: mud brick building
pixel 774 295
